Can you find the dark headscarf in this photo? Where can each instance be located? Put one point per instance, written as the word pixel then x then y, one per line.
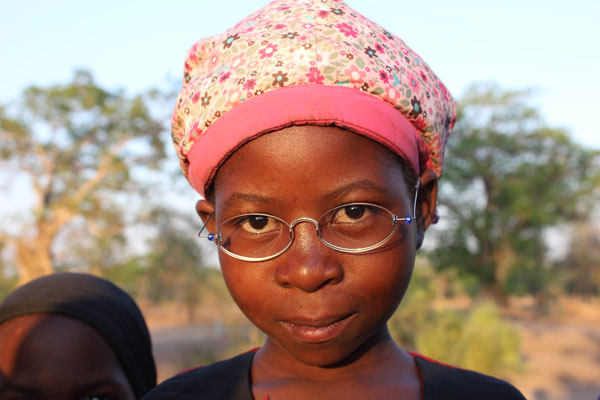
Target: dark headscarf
pixel 101 305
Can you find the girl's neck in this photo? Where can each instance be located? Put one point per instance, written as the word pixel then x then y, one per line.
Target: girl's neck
pixel 378 366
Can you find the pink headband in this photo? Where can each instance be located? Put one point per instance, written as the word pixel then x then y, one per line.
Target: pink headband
pixel 299 62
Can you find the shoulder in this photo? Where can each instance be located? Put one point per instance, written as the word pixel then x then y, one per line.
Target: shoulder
pixel 442 381
pixel 228 379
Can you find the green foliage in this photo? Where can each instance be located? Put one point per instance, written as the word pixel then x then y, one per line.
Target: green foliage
pixel 174 261
pixel 477 339
pixel 129 275
pixel 508 177
pixel 7 285
pixel 415 307
pixel 172 270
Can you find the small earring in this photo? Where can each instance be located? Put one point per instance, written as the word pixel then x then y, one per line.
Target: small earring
pixel 408 219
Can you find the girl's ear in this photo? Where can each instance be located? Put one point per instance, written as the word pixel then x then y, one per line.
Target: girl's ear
pixel 205 209
pixel 426 203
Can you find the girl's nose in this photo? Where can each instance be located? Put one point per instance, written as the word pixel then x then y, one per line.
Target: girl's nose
pixel 308 264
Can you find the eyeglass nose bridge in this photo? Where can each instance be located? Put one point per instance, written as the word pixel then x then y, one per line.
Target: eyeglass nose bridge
pixel 297 221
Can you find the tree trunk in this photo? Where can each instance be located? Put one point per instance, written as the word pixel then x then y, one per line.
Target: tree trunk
pixel 503 257
pixel 33 258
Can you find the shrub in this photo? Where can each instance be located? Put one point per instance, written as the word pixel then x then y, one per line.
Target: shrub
pixel 478 339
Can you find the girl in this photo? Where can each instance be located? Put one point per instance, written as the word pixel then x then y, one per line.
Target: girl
pixel 316 138
pixel 73 337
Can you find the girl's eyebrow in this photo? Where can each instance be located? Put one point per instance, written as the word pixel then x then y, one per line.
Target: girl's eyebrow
pixel 364 184
pixel 237 199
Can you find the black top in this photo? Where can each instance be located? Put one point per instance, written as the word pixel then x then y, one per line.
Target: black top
pixel 230 379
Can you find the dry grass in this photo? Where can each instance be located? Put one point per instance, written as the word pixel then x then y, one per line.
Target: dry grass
pixel 561 350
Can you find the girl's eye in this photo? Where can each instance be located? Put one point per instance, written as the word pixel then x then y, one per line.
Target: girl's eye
pixel 351 213
pixel 257 223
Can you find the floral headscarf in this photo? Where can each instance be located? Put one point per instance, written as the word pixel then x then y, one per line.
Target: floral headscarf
pixel 297 62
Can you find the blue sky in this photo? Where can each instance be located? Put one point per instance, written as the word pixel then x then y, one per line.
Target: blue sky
pixel 551 46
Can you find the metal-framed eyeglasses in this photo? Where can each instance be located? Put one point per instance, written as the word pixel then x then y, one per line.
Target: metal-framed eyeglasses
pixel 348 228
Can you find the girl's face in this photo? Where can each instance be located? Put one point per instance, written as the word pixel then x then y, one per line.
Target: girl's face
pixel 313 302
pixel 45 356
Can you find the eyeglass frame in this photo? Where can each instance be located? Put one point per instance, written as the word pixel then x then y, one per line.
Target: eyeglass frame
pixel 218 238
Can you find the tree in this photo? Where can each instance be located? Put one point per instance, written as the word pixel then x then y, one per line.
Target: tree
pixel 173 268
pixel 581 264
pixel 508 177
pixel 78 146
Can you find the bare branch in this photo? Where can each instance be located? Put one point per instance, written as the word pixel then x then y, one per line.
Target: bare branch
pixel 60 217
pixel 101 172
pixel 47 163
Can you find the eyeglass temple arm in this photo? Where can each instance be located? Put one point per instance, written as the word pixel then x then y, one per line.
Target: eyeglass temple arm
pixel 210 236
pixel 409 219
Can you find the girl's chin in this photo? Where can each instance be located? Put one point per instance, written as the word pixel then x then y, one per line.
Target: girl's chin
pixel 321 355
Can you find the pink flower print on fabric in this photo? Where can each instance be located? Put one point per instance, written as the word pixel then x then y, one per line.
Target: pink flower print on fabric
pixel 237 61
pixel 314 75
pixel 233 97
pixel 355 74
pixel 250 84
pixel 196 97
pixel 347 30
pixel 214 58
pixel 391 95
pixel 195 129
pixel 268 51
pixel 420 123
pixel 384 76
pixel 224 77
pixel 413 82
pixel 445 92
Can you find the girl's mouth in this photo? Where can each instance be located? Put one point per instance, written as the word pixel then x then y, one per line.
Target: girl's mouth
pixel 317 331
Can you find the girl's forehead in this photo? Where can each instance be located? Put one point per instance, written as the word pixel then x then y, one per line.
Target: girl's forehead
pixel 308 163
pixel 307 144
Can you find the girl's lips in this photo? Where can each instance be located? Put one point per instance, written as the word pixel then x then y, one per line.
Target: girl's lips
pixel 318 331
